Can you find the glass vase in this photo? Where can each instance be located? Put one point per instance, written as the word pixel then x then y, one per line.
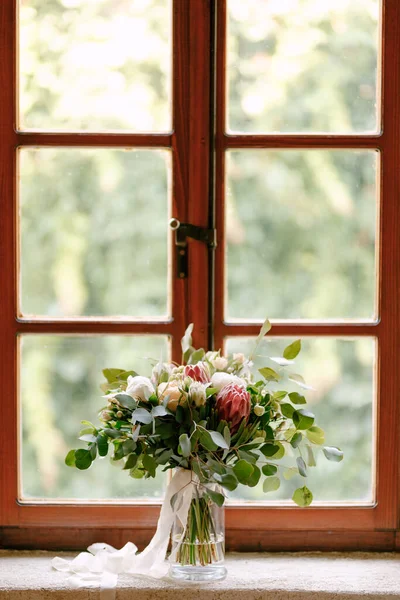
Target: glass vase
pixel 198 549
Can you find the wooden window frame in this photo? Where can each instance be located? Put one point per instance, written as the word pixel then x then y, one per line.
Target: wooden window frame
pixel 198 142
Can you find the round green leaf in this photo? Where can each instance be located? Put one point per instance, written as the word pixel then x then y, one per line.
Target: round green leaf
pixel 316 435
pixel 70 458
pixel 274 449
pixel 83 459
pixel 243 470
pixel 271 484
pixel 287 410
pixel 297 398
pixel 269 470
pixel 303 419
pixel 302 497
pixel 254 477
pixel 102 445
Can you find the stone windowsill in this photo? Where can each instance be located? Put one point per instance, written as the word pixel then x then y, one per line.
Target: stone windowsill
pixel 300 576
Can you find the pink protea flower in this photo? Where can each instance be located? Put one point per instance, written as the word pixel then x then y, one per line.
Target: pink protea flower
pixel 197 372
pixel 233 405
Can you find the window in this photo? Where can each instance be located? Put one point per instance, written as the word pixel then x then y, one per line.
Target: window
pixel 277 123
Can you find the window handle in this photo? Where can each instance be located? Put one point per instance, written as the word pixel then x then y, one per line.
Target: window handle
pixel 183 231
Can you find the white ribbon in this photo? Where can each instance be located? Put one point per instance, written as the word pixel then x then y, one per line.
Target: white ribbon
pixel 102 564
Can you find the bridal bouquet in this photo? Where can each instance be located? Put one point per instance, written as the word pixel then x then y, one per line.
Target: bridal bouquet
pixel 214 422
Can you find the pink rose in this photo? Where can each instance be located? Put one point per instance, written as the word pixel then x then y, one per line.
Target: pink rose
pixel 233 405
pixel 197 372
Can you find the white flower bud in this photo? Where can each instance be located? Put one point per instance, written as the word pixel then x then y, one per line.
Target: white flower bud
pixel 220 363
pixel 259 410
pixel 120 414
pixel 239 358
pixel 105 415
pixel 197 393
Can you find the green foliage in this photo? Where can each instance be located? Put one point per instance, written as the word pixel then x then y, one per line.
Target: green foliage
pixel 302 497
pixel 291 351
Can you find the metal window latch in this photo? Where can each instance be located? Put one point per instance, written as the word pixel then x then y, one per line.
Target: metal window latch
pixel 184 231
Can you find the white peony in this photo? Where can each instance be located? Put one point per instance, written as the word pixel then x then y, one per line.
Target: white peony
pixel 220 380
pixel 140 388
pixel 220 363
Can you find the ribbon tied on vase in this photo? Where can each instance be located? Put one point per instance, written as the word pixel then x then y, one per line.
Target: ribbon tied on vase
pixel 101 564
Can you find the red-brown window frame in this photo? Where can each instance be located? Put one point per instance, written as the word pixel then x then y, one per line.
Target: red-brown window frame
pixel 198 143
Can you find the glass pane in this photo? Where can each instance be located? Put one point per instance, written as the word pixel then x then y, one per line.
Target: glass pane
pixel 95 65
pixel 301 230
pixel 94 232
pixel 59 387
pixel 342 372
pixel 303 66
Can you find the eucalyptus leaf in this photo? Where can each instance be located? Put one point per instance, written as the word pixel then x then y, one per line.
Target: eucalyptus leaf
pixel 297 398
pixel 227 481
pixel 159 411
pixel 88 437
pixel 141 415
pixel 218 439
pixel 149 464
pixel 302 467
pixel 310 457
pixel 186 342
pixel 254 477
pixel 185 444
pixel 266 326
pixel 102 444
pixel 206 441
pixel 131 462
pixel 275 449
pixel 299 380
pixel 290 472
pixel 332 453
pixel 302 497
pixel 269 374
pixel 269 470
pixel 296 439
pixel 216 497
pixel 112 374
pixel 126 401
pixel 291 351
pixel 287 410
pixel 271 484
pixel 316 435
pixel 83 459
pixel 243 470
pixel 70 458
pixel 303 419
pixel 282 362
pixel 197 356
